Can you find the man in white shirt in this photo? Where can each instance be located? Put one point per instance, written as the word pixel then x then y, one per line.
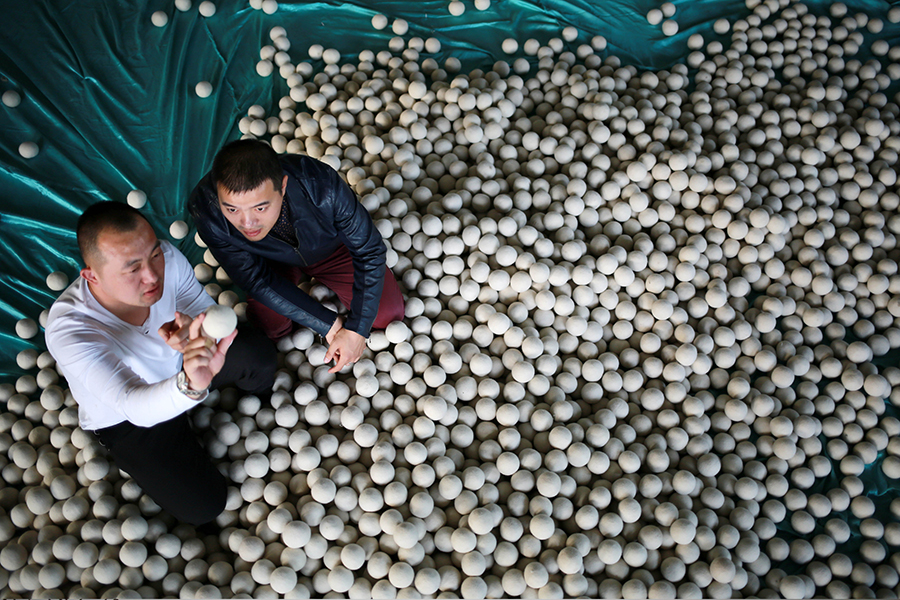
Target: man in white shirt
pixel 126 336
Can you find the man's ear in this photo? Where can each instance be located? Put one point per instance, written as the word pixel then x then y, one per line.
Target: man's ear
pixel 90 275
pixel 284 184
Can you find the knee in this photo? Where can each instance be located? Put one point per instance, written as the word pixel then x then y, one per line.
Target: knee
pixel 276 330
pixel 390 312
pixel 274 325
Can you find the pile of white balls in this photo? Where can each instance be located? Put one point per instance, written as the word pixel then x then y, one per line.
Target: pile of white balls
pixel 647 321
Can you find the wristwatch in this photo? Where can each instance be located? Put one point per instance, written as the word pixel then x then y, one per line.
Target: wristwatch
pixel 184 387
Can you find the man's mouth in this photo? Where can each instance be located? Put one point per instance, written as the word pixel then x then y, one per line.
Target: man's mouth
pixel 252 232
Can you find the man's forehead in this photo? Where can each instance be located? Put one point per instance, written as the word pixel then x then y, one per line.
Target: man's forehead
pixel 265 193
pixel 127 245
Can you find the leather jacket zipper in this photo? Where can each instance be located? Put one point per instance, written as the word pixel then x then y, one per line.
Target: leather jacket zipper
pixel 297 250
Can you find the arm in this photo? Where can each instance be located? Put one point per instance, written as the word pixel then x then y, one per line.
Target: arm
pixel 88 356
pixel 358 232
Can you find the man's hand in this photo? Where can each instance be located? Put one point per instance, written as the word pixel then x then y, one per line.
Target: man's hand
pixel 345 346
pixel 335 327
pixel 177 333
pixel 203 358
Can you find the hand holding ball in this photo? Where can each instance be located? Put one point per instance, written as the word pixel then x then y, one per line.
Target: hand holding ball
pixel 220 321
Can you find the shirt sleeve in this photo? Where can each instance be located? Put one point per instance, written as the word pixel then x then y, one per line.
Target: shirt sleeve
pixel 89 357
pixel 358 232
pixel 190 297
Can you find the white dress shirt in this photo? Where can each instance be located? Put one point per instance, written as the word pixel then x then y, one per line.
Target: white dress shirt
pixel 117 371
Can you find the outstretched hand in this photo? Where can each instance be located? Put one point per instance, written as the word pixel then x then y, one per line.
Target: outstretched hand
pixel 203 358
pixel 345 347
pixel 176 333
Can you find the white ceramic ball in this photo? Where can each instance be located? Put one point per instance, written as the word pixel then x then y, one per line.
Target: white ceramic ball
pixel 219 322
pixel 57 281
pixel 159 18
pixel 26 328
pixel 669 27
pixel 11 98
pixel 136 199
pixel 379 21
pixel 400 26
pixel 178 230
pixel 28 149
pixel 203 89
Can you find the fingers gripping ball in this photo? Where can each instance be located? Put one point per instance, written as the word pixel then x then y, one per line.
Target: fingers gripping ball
pixel 220 321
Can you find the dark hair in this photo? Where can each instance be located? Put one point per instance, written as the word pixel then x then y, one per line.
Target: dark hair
pixel 96 218
pixel 244 165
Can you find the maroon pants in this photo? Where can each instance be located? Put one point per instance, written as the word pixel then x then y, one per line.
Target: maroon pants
pixel 335 273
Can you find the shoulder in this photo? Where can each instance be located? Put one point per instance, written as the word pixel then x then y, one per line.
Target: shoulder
pixel 170 251
pixel 70 303
pixel 73 320
pixel 203 198
pixel 175 260
pixel 305 167
pixel 203 204
pixel 314 183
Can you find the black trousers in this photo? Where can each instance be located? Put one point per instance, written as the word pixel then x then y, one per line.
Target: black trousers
pixel 166 459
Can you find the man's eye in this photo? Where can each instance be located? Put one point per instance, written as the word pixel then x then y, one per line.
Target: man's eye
pixel 261 208
pixel 231 210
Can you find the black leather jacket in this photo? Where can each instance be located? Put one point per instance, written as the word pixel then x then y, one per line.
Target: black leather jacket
pixel 325 214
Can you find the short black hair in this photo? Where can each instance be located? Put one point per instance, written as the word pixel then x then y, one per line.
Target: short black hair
pixel 244 165
pixel 96 218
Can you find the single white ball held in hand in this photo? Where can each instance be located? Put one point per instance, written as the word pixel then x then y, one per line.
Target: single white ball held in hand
pixel 220 321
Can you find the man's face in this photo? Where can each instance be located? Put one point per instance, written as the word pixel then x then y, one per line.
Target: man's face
pixel 128 270
pixel 255 212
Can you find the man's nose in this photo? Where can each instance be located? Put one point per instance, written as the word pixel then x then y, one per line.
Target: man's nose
pixel 150 275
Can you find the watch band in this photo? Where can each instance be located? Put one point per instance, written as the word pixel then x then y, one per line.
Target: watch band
pixel 184 387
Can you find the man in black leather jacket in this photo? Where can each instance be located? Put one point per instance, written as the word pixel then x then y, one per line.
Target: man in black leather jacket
pixel 268 220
